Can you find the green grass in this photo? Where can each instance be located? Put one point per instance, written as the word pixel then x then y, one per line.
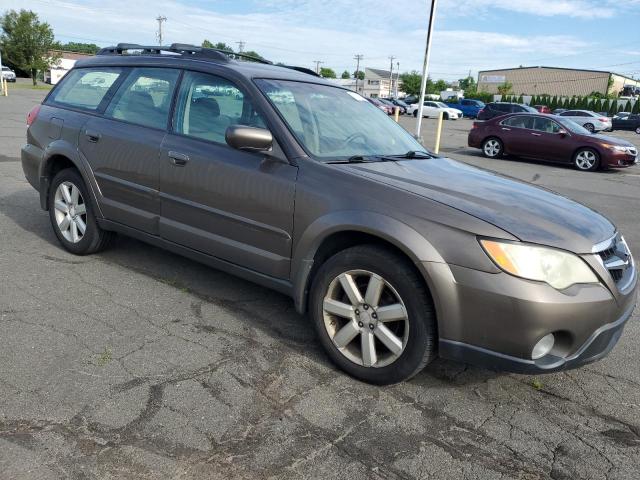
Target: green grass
pixel 29 86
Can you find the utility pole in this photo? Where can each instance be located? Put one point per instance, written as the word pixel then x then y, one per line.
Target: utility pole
pixel 241 45
pixel 425 67
pixel 358 58
pixel 318 62
pixel 397 78
pixel 160 19
pixel 391 58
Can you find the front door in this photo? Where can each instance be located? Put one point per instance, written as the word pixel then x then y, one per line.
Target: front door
pixel 123 146
pixel 232 204
pixel 551 144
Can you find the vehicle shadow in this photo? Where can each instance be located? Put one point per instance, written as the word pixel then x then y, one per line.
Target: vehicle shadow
pixel 261 308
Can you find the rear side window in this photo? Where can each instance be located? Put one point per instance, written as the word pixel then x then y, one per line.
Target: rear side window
pixel 85 88
pixel 144 98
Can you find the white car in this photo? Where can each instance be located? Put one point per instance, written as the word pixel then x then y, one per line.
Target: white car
pixel 433 109
pixel 588 119
pixel 8 74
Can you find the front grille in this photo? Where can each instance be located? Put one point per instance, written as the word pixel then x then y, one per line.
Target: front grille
pixel 615 256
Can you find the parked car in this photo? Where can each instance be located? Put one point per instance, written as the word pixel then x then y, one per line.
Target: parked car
pixel 621 115
pixel 404 107
pixel 469 107
pixel 411 99
pixel 627 122
pixel 588 119
pixel 542 108
pixel 433 109
pixel 496 109
pixel 551 138
pixel 381 105
pixel 397 254
pixel 391 105
pixel 8 74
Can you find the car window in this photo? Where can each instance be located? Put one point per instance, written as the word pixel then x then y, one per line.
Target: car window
pixel 207 105
pixel 568 113
pixel 144 98
pixel 85 87
pixel 519 121
pixel 503 107
pixel 546 125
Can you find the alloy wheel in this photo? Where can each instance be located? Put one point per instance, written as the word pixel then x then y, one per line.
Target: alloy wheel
pixel 370 329
pixel 590 127
pixel 70 212
pixel 492 148
pixel 638 130
pixel 586 160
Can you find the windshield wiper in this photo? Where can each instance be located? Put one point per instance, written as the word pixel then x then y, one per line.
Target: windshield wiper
pixel 412 154
pixel 358 159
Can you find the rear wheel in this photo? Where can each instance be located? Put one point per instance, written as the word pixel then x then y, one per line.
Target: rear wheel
pixel 373 315
pixel 445 116
pixel 586 160
pixel 492 148
pixel 72 216
pixel 638 130
pixel 590 127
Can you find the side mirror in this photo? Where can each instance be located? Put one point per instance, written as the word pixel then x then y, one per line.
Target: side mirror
pixel 563 133
pixel 248 138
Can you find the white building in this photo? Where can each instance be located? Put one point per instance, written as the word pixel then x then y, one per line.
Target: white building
pixel 378 83
pixel 60 67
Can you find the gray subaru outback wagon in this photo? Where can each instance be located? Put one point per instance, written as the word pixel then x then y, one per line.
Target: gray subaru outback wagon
pixel 278 176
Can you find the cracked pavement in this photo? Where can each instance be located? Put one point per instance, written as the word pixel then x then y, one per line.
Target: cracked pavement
pixel 137 363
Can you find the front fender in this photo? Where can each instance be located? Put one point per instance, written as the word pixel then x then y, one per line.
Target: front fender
pixel 399 234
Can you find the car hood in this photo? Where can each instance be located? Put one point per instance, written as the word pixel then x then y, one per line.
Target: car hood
pixel 530 213
pixel 612 140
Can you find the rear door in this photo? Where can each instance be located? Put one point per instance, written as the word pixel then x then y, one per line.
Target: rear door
pixel 232 204
pixel 123 146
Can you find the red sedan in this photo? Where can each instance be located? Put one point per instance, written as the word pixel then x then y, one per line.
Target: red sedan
pixel 551 138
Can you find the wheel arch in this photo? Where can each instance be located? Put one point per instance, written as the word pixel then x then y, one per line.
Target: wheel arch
pixel 57 157
pixel 327 236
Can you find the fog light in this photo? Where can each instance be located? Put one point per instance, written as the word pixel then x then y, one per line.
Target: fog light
pixel 543 347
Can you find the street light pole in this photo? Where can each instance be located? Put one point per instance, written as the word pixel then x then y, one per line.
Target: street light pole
pixel 425 67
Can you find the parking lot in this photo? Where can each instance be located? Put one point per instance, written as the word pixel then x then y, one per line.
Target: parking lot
pixel 137 363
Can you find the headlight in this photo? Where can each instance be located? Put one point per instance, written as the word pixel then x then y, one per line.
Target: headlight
pixel 618 148
pixel 555 267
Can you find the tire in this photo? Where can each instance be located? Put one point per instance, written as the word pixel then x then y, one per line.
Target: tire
pixel 445 116
pixel 492 147
pixel 415 113
pixel 413 334
pixel 638 130
pixel 586 160
pixel 590 127
pixel 66 185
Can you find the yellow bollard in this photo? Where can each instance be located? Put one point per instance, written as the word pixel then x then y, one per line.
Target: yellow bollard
pixel 396 114
pixel 438 133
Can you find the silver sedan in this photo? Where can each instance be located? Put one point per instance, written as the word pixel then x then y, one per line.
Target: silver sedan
pixel 588 119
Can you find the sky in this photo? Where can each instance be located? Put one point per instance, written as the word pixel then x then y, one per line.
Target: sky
pixel 469 35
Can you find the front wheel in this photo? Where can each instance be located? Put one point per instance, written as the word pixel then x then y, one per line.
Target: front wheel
pixel 373 315
pixel 590 127
pixel 638 130
pixel 72 216
pixel 586 160
pixel 492 148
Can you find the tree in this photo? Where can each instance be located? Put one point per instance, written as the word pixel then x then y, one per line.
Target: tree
pixel 411 82
pixel 26 42
pixel 327 72
pixel 90 48
pixel 606 105
pixel 505 88
pixel 636 107
pixel 218 46
pixel 468 84
pixel 252 54
pixel 613 108
pixel 345 75
pixel 439 86
pixel 359 75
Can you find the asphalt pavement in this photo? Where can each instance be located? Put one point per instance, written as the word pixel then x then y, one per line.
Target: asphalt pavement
pixel 137 363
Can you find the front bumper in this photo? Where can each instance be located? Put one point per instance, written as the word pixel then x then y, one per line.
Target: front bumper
pixel 616 159
pixel 495 319
pixel 598 346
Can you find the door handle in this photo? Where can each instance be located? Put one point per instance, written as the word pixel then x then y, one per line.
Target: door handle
pixel 92 136
pixel 178 159
pixel 536 134
pixel 506 129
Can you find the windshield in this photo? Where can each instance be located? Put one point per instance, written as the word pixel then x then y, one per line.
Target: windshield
pixel 440 104
pixel 574 127
pixel 333 123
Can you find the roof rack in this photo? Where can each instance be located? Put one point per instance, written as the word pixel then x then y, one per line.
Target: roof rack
pixel 179 48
